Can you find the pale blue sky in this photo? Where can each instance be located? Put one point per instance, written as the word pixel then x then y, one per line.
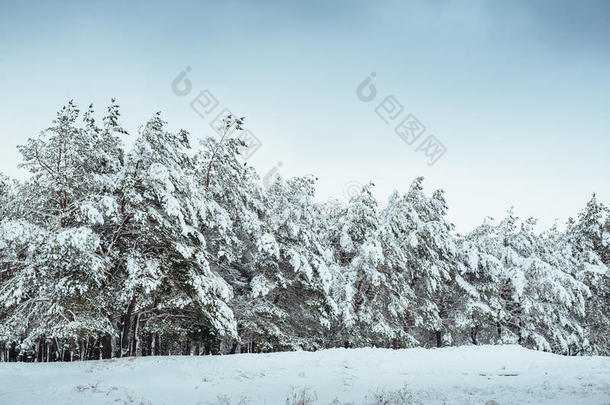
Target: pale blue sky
pixel 518 92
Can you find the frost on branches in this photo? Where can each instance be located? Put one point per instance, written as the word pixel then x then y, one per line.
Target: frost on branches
pixel 167 247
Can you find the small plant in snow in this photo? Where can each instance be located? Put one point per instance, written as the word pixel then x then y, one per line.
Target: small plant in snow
pixel 301 397
pixel 225 400
pixel 399 397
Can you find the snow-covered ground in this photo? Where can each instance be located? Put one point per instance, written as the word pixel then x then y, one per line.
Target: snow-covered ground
pixel 464 375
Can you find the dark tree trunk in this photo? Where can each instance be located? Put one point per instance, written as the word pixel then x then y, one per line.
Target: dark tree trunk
pixel 439 340
pixel 55 353
pixel 74 352
pixel 12 352
pixel 40 349
pixel 473 335
pixel 107 347
pixel 157 344
pixel 127 327
pixel 66 355
pixel 94 348
pixel 148 344
pixel 135 335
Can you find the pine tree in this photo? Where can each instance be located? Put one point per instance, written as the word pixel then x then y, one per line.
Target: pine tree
pixel 587 241
pixel 237 237
pixel 360 288
pixel 551 301
pixel 477 278
pixel 55 285
pixel 421 253
pixel 167 287
pixel 294 279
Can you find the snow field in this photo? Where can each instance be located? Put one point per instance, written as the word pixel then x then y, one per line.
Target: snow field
pixel 456 375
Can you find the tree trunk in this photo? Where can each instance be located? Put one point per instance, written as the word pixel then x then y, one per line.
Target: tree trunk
pixel 39 350
pixel 12 352
pixel 148 344
pixel 92 348
pixel 473 335
pixel 157 344
pixel 107 347
pixel 74 354
pixel 127 327
pixel 55 349
pixel 134 337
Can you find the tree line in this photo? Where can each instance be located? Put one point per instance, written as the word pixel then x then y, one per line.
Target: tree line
pixel 169 248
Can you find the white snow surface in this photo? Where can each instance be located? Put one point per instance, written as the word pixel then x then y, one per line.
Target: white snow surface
pixel 457 375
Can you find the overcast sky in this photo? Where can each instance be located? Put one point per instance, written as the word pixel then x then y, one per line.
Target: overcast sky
pixel 517 92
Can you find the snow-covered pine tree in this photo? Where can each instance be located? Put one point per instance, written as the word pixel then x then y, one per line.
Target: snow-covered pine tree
pixel 507 306
pixel 167 290
pixel 294 280
pixel 538 303
pixel 551 301
pixel 360 289
pixel 420 250
pixel 102 210
pixel 236 236
pixel 55 267
pixel 7 195
pixel 587 240
pixel 7 213
pixel 476 291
